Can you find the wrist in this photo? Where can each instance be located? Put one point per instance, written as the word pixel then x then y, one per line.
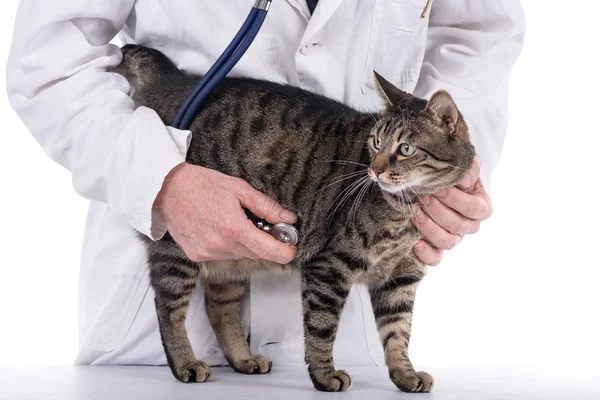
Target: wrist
pixel 168 187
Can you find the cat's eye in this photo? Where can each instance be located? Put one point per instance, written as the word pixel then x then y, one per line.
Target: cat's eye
pixel 406 149
pixel 377 142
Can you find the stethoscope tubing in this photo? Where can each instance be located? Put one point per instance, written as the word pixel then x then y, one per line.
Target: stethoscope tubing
pixel 229 58
pixel 224 64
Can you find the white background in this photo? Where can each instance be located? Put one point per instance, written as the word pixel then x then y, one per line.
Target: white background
pixel 525 291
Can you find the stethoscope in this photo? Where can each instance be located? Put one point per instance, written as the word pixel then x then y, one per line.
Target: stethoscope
pixel 283 232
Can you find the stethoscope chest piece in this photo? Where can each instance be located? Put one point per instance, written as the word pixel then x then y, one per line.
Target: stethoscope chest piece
pixel 283 232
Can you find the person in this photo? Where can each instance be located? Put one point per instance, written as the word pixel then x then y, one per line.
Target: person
pixel 131 166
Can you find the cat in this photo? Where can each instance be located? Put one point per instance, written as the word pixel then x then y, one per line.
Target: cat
pixel 353 178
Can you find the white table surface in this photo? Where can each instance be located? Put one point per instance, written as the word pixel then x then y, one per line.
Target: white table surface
pixel 131 383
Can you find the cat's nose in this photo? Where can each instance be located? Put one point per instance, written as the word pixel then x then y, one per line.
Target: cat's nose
pixel 376 171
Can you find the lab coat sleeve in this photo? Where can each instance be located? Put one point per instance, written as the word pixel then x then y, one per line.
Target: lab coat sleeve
pixel 59 83
pixel 471 48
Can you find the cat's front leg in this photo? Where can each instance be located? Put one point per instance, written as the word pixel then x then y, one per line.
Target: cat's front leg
pixel 393 306
pixel 324 293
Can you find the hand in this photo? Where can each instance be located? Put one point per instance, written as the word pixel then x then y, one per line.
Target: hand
pixel 203 211
pixel 451 214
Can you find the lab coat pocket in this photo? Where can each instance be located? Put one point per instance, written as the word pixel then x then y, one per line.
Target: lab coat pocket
pixel 110 328
pixel 397 39
pixel 110 298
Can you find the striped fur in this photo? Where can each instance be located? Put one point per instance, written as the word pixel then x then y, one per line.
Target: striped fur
pixel 298 147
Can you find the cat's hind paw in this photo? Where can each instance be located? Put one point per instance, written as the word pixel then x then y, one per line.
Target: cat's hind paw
pixel 196 371
pixel 411 381
pixel 255 365
pixel 334 381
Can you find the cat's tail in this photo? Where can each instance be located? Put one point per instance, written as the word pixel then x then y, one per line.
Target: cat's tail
pixel 145 67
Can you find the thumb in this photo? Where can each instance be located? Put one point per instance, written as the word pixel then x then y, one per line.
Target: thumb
pixel 266 246
pixel 265 207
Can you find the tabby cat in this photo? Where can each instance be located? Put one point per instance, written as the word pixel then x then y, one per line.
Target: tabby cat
pixel 354 214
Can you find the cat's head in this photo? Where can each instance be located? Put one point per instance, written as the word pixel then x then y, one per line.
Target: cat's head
pixel 418 145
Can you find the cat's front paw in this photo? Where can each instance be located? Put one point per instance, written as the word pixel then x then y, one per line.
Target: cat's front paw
pixel 331 381
pixel 411 381
pixel 255 365
pixel 196 371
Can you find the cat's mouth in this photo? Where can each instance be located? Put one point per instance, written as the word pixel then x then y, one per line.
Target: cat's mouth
pixel 391 188
pixel 397 187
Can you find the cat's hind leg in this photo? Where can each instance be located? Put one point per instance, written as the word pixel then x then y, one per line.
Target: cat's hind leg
pixel 223 300
pixel 393 306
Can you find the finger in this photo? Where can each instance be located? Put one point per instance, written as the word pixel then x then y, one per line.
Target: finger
pixel 263 206
pixel 221 256
pixel 219 249
pixel 437 235
pixel 472 175
pixel 447 218
pixel 266 246
pixel 239 251
pixel 211 256
pixel 475 205
pixel 428 255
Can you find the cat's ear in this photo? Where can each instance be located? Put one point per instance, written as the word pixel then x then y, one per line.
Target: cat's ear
pixel 391 94
pixel 443 107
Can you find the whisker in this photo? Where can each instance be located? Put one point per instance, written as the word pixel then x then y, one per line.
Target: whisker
pixel 344 191
pixel 426 209
pixel 373 117
pixel 343 178
pixel 344 162
pixel 356 204
pixel 369 185
pixel 443 163
pixel 348 193
pixel 413 211
pixel 452 166
pixel 405 197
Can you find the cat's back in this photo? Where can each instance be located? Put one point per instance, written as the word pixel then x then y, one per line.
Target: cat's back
pixel 156 82
pixel 277 137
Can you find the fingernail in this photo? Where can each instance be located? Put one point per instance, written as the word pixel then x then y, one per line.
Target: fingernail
pixel 440 193
pixel 287 215
pixel 419 247
pixel 426 200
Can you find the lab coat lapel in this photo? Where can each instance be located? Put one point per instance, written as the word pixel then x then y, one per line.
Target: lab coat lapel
pixel 302 7
pixel 323 13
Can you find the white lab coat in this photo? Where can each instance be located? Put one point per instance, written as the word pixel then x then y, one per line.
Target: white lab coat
pixel 118 155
